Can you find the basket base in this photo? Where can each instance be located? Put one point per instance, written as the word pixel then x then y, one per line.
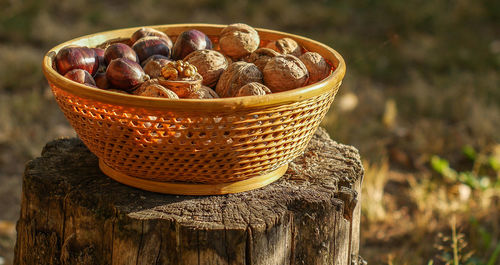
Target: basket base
pixel 191 188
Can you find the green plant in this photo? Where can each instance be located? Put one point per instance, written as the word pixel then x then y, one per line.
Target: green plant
pixel 488 242
pixel 475 178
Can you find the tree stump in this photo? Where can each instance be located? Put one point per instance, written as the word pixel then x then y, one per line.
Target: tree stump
pixel 73 214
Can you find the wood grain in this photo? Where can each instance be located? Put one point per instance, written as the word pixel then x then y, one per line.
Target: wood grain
pixel 73 214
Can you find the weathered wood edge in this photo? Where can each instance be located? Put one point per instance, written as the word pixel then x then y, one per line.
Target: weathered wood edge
pixel 343 190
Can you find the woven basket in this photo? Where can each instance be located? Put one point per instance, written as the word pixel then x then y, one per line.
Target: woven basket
pixel 191 146
pixel 183 88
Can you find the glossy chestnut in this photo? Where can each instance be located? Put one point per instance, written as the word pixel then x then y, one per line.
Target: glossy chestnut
pixel 120 50
pixel 101 81
pixel 153 57
pixel 188 42
pixel 75 57
pixel 146 32
pixel 102 62
pixel 81 76
pixel 125 74
pixel 148 46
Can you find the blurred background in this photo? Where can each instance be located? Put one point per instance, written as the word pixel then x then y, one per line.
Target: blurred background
pixel 421 101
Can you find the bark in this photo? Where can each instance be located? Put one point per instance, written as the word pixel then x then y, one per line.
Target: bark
pixel 73 214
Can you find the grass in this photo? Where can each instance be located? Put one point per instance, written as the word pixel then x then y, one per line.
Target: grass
pixel 422 84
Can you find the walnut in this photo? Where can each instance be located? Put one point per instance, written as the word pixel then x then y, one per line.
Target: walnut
pixel 210 65
pixel 316 65
pixel 152 88
pixel 285 72
pixel 203 93
pixel 260 57
pixel 178 70
pixel 237 75
pixel 180 77
pixel 154 66
pixel 286 46
pixel 253 89
pixel 229 60
pixel 238 40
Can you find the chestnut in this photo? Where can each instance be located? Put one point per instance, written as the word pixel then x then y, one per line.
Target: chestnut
pixel 148 46
pixel 153 57
pixel 75 57
pixel 120 50
pixel 102 61
pixel 125 74
pixel 146 32
pixel 101 81
pixel 81 76
pixel 188 42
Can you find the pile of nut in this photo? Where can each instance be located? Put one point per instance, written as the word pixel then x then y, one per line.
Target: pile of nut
pixel 152 65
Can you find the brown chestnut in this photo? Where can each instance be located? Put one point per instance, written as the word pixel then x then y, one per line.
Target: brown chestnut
pixel 153 57
pixel 74 57
pixel 188 42
pixel 125 74
pixel 101 81
pixel 102 62
pixel 120 50
pixel 146 32
pixel 148 46
pixel 81 76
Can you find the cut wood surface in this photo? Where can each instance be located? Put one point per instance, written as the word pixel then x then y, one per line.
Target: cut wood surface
pixel 73 214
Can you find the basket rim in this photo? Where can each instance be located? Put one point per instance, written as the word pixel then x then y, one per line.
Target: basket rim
pixel 220 104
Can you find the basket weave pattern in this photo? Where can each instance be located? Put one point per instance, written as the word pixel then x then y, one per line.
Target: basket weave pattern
pixel 189 146
pixel 199 147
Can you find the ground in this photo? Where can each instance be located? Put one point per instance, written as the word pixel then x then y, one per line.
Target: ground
pixel 421 101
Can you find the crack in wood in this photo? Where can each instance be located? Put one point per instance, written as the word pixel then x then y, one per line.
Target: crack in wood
pixel 283 222
pixel 248 246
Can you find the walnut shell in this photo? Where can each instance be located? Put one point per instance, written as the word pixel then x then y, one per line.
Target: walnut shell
pixel 229 60
pixel 285 72
pixel 203 93
pixel 238 40
pixel 179 70
pixel 286 46
pixel 316 65
pixel 237 75
pixel 260 57
pixel 153 89
pixel 154 66
pixel 182 87
pixel 210 65
pixel 253 89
